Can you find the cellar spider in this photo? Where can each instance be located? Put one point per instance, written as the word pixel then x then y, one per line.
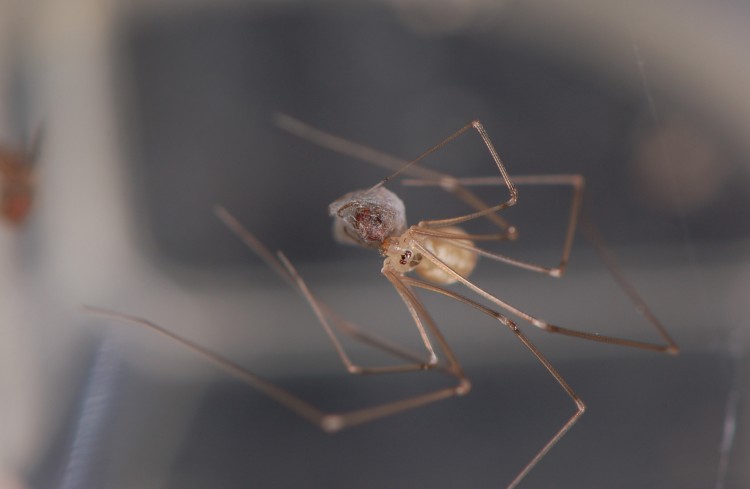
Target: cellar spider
pixel 18 172
pixel 441 253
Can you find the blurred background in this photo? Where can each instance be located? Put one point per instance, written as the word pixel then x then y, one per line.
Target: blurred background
pixel 156 110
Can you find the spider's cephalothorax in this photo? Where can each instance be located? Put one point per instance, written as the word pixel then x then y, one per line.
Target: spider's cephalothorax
pixel 368 217
pixel 400 254
pixel 403 256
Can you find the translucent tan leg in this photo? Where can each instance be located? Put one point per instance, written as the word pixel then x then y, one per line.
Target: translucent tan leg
pixel 451 182
pixel 419 314
pixel 670 346
pixel 592 234
pixel 577 183
pixel 413 168
pixel 318 309
pixel 276 393
pixel 326 316
pixel 580 406
pixel 337 421
pixel 330 422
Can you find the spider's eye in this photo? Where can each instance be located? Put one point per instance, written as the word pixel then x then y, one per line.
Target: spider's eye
pixel 405 257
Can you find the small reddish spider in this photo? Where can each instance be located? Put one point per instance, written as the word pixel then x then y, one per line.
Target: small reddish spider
pixel 17 182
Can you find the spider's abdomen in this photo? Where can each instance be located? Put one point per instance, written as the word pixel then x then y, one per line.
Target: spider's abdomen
pixel 461 260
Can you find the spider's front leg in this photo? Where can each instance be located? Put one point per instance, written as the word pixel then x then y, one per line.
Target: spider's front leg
pixel 327 316
pixel 576 182
pixel 414 168
pixel 451 182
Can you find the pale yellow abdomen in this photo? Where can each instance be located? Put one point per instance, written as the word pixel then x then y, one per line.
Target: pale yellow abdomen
pixel 459 259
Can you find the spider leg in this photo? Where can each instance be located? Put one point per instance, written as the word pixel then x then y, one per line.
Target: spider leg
pixel 276 393
pixel 669 347
pixel 413 168
pixel 327 317
pixel 450 182
pixel 593 234
pixel 420 315
pixel 577 183
pixel 580 406
pixel 329 422
pixel 318 309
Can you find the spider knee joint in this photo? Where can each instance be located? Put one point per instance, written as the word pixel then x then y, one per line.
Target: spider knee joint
pixel 448 183
pixel 464 387
pixel 354 370
pixel 580 405
pixel 332 423
pixel 545 326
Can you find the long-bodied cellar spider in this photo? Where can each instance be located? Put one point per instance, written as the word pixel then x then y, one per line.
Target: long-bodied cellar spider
pixel 441 253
